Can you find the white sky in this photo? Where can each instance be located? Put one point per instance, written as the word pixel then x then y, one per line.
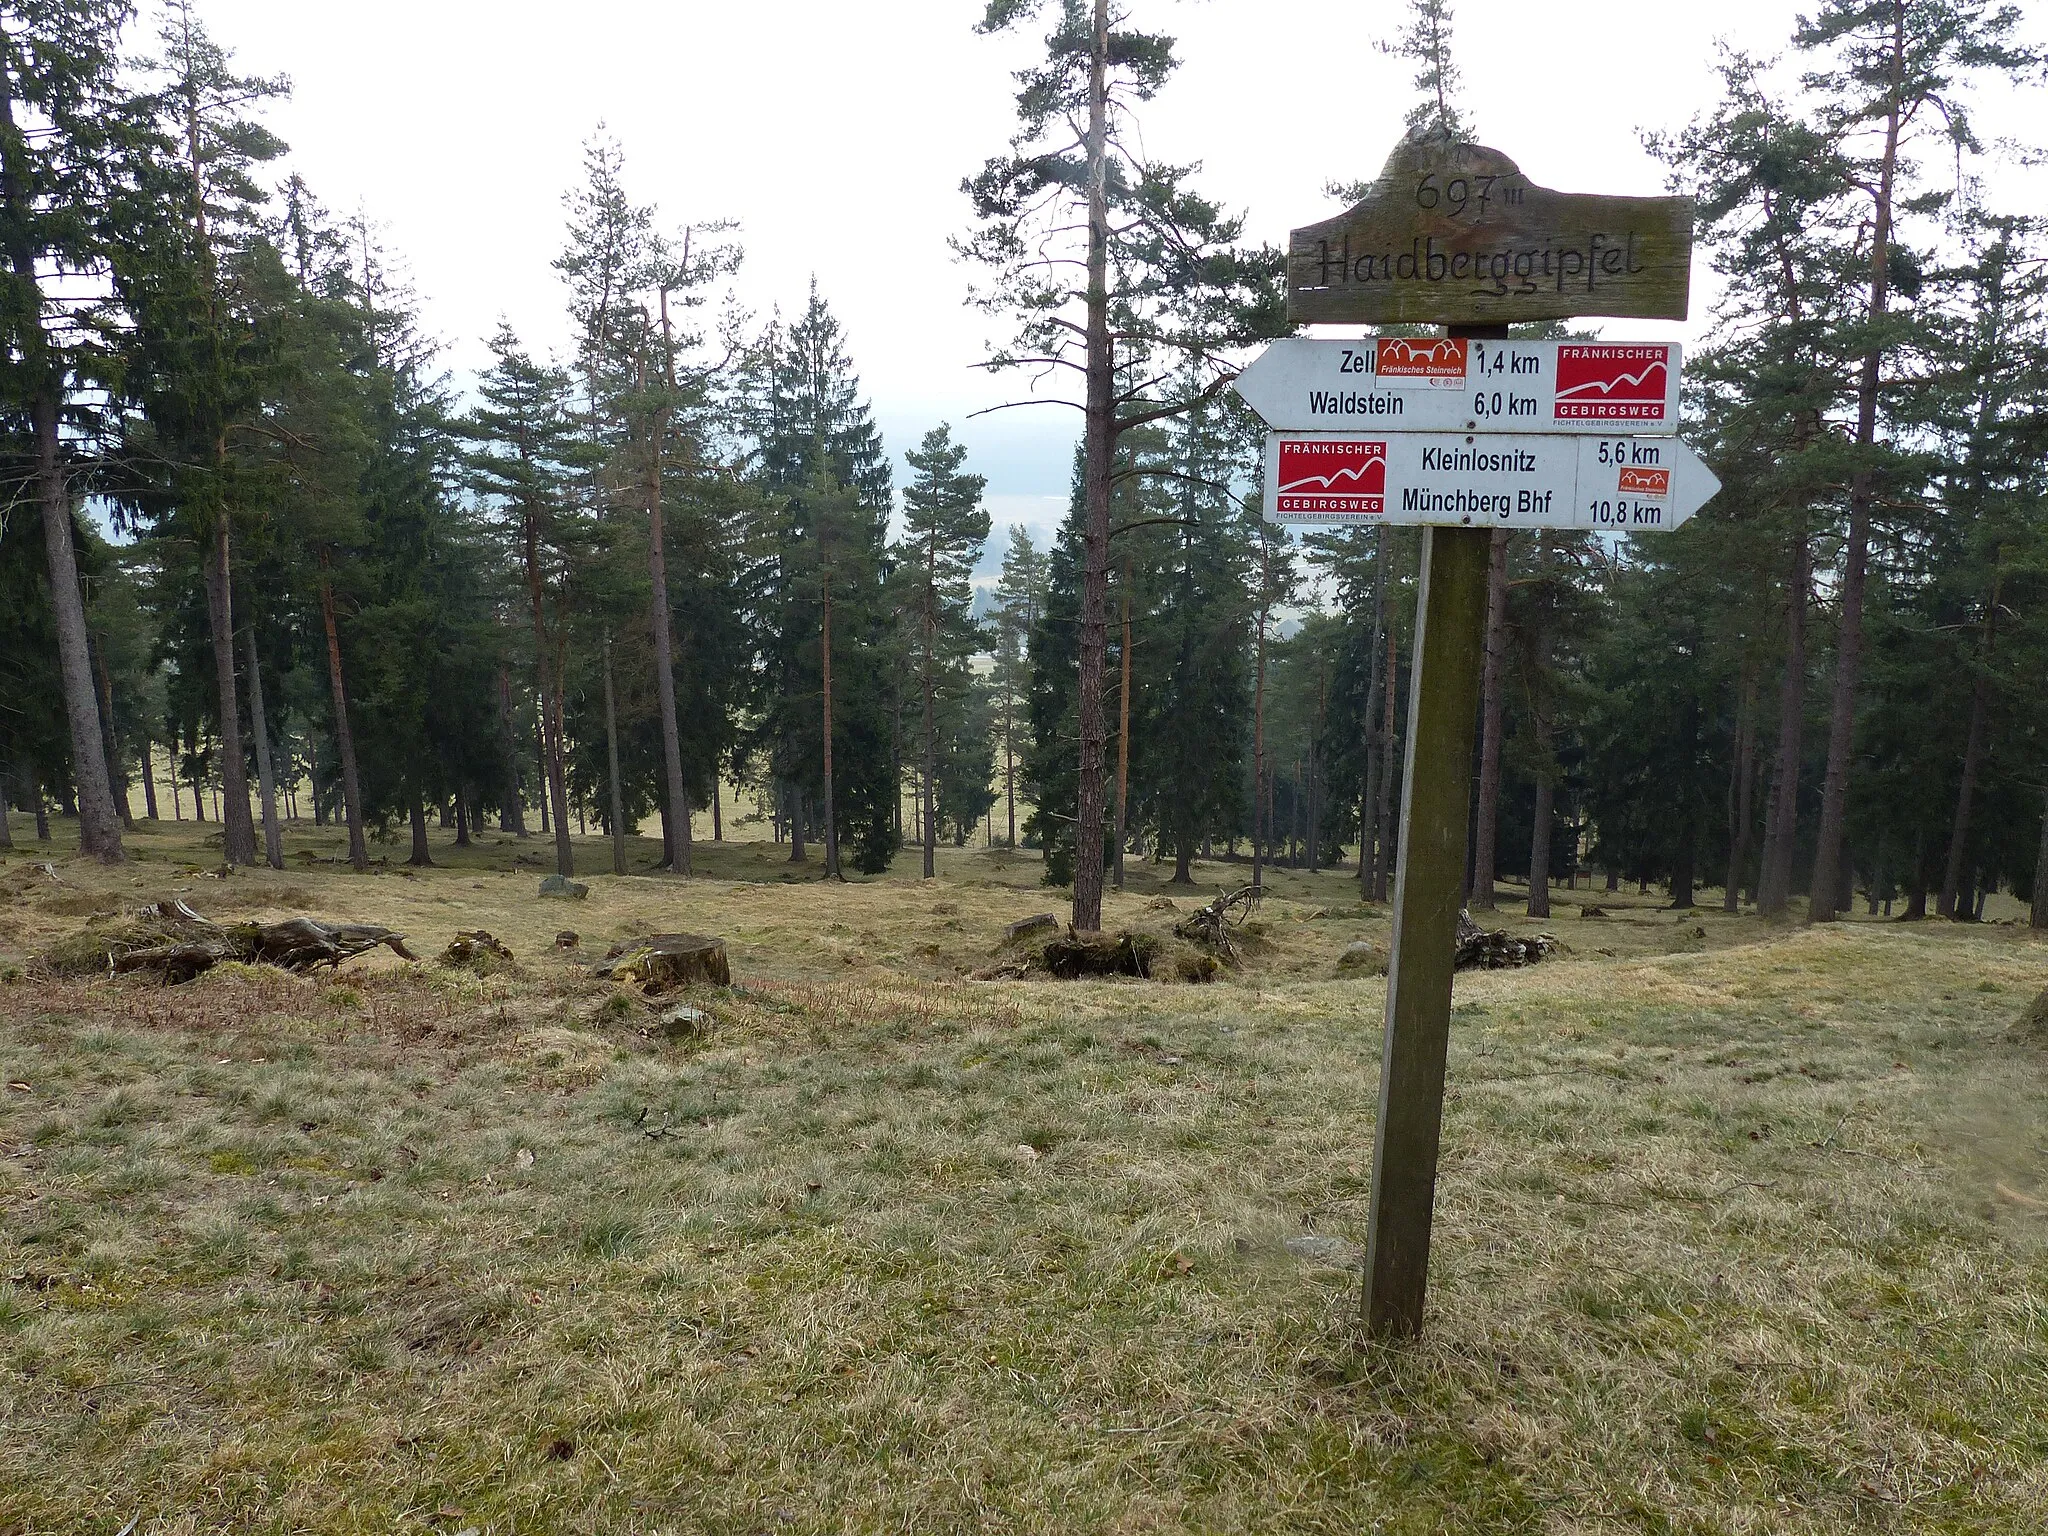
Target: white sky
pixel 838 134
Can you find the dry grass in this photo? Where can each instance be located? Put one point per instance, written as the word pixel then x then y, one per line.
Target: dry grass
pixel 1740 1230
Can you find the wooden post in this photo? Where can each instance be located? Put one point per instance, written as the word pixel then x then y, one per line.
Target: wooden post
pixel 1429 885
pixel 1436 789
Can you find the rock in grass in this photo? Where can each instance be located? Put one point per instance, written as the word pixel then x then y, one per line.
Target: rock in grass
pixel 1362 959
pixel 662 962
pixel 1319 1249
pixel 683 1023
pixel 2032 1024
pixel 568 938
pixel 562 886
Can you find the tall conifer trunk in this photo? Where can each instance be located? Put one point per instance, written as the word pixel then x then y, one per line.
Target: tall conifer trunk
pixel 238 826
pixel 2038 918
pixel 1384 816
pixel 931 726
pixel 678 796
pixel 1486 834
pixel 1973 755
pixel 148 781
pixel 831 827
pixel 1259 801
pixel 511 813
pixel 1774 886
pixel 344 738
pixel 1098 450
pixel 611 747
pixel 421 857
pixel 273 835
pixel 1741 788
pixel 1827 866
pixel 1123 732
pixel 1541 708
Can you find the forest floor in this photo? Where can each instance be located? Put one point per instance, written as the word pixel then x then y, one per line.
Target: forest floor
pixel 1740 1228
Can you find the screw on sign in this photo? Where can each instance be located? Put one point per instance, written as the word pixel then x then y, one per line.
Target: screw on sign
pixel 1453 234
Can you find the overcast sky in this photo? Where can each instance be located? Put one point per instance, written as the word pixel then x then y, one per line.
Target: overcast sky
pixel 838 134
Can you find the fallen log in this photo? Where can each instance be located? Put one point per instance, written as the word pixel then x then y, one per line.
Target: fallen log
pixel 168 937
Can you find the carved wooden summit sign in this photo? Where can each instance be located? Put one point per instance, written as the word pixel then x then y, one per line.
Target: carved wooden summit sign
pixel 1455 234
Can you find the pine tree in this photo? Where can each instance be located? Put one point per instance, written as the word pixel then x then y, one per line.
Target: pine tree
pixel 1164 288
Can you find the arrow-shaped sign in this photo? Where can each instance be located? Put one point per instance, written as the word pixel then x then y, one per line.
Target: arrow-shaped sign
pixel 1617 484
pixel 1456 384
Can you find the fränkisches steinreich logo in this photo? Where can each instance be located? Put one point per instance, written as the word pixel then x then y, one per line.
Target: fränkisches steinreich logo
pixel 1645 482
pixel 1410 357
pixel 1333 475
pixel 1599 381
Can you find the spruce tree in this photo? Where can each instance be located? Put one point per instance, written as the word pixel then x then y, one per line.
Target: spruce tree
pixel 76 150
pixel 945 526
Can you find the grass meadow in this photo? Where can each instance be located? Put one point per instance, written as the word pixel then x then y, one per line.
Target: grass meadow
pixel 1740 1228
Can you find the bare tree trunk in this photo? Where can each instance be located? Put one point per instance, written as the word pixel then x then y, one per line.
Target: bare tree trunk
pixel 1862 492
pixel 148 780
pixel 1541 705
pixel 99 831
pixel 1123 732
pixel 421 858
pixel 1369 851
pixel 117 775
pixel 1973 754
pixel 796 825
pixel 1098 451
pixel 1010 752
pixel 344 738
pixel 1388 756
pixel 1774 886
pixel 611 747
pixel 6 832
pixel 266 781
pixel 1741 813
pixel 238 827
pixel 717 806
pixel 931 733
pixel 831 828
pixel 1492 712
pixel 512 812
pixel 2038 918
pixel 1260 802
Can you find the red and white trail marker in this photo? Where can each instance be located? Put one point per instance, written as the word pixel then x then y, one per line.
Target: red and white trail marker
pixel 1480 480
pixel 1457 384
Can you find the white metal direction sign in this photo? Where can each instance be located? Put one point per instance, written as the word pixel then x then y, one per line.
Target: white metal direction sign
pixel 1619 484
pixel 1459 384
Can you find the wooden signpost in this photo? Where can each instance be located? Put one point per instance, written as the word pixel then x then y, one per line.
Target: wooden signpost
pixel 1453 234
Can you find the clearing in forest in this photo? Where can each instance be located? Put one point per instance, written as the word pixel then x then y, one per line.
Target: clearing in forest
pixel 1740 1228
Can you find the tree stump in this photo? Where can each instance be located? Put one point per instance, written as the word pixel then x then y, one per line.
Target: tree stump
pixel 662 962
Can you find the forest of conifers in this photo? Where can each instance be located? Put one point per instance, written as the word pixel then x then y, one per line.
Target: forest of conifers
pixel 261 562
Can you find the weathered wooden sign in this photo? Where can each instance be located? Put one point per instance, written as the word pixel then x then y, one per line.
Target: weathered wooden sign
pixel 1451 384
pixel 1482 480
pixel 1455 234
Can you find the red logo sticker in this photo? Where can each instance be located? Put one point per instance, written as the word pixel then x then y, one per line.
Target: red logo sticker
pixel 1612 383
pixel 1407 357
pixel 1332 475
pixel 1646 482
